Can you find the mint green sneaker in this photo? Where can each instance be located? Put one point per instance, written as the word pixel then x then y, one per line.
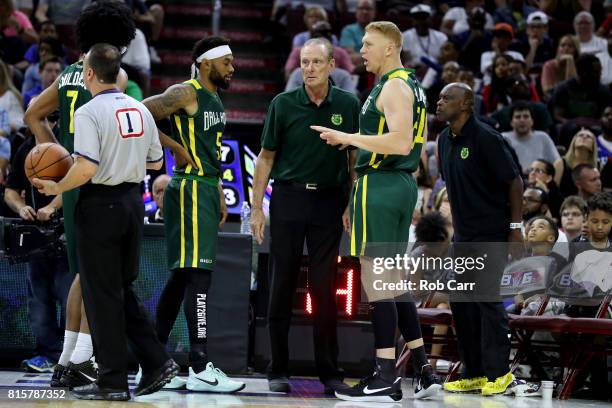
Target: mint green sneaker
pixel 212 380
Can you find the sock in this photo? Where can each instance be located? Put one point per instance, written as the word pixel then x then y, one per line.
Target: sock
pixel 83 350
pixel 419 360
pixel 195 307
pixel 70 339
pixel 386 369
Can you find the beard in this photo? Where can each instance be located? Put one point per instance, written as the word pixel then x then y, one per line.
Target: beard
pixel 218 80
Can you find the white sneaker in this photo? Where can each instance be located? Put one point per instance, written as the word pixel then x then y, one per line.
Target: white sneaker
pixel 177 383
pixel 212 380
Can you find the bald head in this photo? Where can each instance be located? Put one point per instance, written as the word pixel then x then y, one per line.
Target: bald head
pixel 159 187
pixel 461 89
pixel 456 100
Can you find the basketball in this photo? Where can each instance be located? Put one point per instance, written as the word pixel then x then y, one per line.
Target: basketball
pixel 47 161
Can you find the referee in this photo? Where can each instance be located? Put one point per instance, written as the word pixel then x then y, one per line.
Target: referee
pixel 485 190
pixel 309 197
pixel 115 141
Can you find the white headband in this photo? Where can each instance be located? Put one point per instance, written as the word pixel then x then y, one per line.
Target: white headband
pixel 213 53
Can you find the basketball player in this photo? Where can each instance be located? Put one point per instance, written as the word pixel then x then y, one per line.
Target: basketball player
pixel 103 21
pixel 194 205
pixel 392 131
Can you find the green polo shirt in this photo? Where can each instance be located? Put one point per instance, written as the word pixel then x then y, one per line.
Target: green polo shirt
pixel 301 155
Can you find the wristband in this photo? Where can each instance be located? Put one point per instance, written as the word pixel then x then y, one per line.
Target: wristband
pixel 516 225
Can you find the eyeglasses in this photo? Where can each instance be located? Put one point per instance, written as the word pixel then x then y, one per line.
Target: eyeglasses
pixel 575 214
pixel 536 170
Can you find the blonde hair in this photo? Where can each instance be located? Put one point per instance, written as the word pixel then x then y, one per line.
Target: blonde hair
pixel 570 156
pixel 387 29
pixel 6 83
pixel 574 41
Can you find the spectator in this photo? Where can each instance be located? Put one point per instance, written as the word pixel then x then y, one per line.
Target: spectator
pixel 352 34
pixel 455 21
pixel 495 94
pixel 10 99
pixel 606 26
pixel 528 144
pixel 137 56
pixel 582 150
pixel 17 31
pixel 50 69
pixel 320 29
pixel 584 26
pixel 599 220
pixel 582 97
pixel 466 76
pixel 48 48
pixel 47 30
pixel 434 231
pixel 25 6
pixel 573 217
pixel 535 44
pixel 535 203
pixel 450 73
pixel 604 141
pixel 587 180
pixel 48 278
pixel 422 41
pixel 541 174
pixel 474 42
pixel 159 187
pixel 521 90
pixel 448 52
pixel 516 14
pixel 312 15
pixel 563 66
pixel 502 38
pixel 150 19
pixel 64 13
pixel 605 58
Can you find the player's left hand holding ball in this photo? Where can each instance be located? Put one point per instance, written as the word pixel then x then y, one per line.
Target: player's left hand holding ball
pixel 46 187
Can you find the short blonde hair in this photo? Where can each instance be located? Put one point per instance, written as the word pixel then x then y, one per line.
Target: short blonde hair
pixel 389 30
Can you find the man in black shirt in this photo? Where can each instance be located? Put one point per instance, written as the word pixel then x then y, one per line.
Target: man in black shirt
pixel 485 191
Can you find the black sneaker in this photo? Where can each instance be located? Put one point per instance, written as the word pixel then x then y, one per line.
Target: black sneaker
pixel 77 375
pixel 373 389
pixel 58 371
pixel 94 392
pixel 155 380
pixel 280 384
pixel 428 384
pixel 331 386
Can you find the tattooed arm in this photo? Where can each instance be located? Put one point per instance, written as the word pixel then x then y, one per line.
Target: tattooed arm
pixel 175 98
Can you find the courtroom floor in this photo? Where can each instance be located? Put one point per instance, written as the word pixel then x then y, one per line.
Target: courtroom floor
pixel 306 392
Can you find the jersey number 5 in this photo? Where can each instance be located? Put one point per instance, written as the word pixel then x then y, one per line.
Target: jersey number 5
pixel 130 122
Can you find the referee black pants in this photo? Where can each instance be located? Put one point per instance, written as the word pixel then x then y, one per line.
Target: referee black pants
pixel 109 226
pixel 297 214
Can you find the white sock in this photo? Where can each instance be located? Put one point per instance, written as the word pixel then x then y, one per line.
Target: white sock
pixel 83 349
pixel 70 339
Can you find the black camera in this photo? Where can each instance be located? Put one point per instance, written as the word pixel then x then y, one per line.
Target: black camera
pixel 23 241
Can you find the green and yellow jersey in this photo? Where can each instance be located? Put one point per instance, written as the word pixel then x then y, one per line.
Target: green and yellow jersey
pixel 72 95
pixel 201 133
pixel 372 122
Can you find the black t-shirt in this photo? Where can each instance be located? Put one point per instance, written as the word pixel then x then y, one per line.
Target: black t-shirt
pixel 18 181
pixel 477 166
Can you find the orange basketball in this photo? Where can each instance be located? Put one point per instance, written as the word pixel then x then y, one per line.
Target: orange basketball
pixel 47 161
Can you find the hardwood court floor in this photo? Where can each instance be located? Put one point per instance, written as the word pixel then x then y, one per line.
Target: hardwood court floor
pixel 306 392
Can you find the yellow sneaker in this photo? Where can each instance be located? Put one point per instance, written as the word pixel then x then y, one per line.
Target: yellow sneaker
pixel 499 386
pixel 466 385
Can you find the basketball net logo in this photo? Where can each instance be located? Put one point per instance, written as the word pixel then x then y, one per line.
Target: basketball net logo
pixel 130 122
